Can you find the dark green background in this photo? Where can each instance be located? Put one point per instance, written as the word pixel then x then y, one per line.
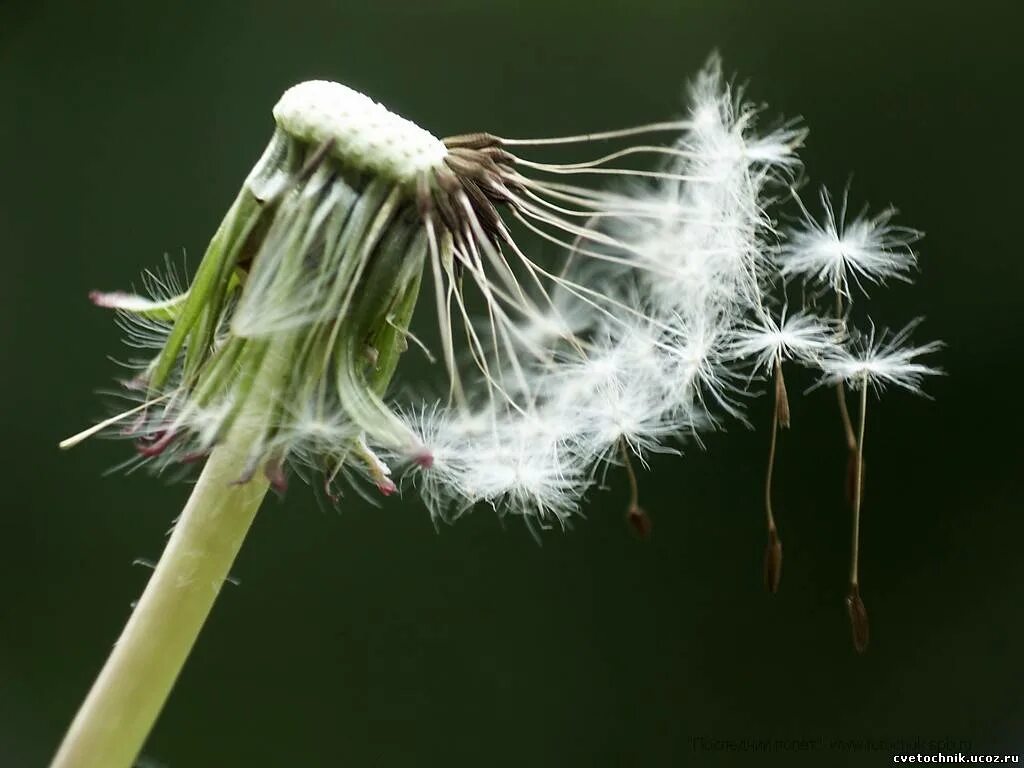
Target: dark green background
pixel 364 636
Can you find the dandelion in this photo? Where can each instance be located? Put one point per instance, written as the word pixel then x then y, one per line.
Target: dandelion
pixel 280 355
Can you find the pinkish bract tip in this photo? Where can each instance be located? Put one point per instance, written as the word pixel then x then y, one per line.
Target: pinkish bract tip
pixel 273 470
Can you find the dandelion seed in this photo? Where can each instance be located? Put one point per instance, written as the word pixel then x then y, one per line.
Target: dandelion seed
pixel 872 362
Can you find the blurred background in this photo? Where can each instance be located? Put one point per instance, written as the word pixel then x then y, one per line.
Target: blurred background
pixel 363 635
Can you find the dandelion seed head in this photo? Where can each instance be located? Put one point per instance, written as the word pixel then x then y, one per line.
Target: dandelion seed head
pixel 641 333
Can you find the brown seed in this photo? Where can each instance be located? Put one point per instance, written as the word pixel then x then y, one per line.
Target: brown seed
pixel 773 562
pixel 781 400
pixel 640 521
pixel 858 619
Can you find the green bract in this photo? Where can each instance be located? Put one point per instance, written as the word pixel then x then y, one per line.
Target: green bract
pixel 315 262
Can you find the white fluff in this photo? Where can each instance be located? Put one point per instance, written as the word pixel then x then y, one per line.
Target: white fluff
pixel 880 360
pixel 835 252
pixel 645 344
pixel 801 336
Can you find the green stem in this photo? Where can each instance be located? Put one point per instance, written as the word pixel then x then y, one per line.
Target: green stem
pixel 116 717
pixel 113 723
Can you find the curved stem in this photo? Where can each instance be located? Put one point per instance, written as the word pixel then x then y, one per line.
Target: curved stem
pixel 113 723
